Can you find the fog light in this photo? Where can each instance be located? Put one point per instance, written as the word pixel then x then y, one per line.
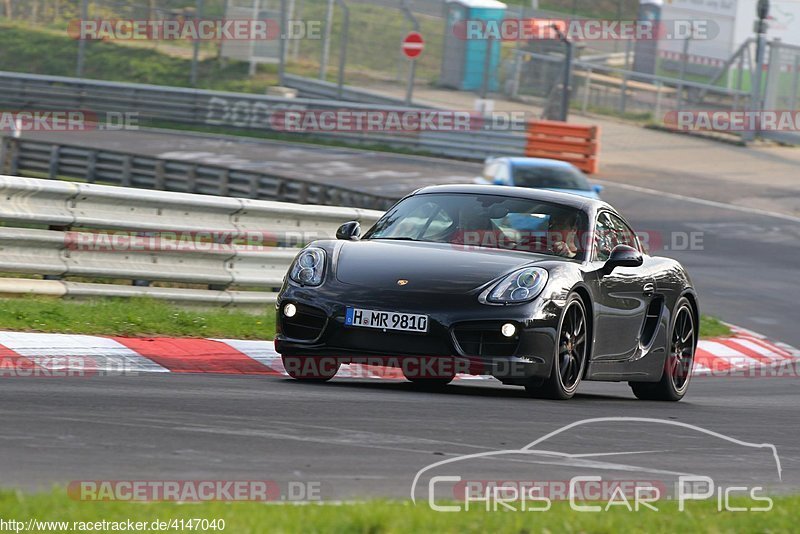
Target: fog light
pixel 289 310
pixel 508 330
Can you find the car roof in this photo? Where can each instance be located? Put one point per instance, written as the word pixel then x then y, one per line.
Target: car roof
pixel 539 162
pixel 545 195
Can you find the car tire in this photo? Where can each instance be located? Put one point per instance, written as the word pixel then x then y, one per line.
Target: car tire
pixel 310 368
pixel 571 354
pixel 680 358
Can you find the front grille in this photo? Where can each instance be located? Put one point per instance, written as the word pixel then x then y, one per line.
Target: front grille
pixel 485 341
pixel 307 324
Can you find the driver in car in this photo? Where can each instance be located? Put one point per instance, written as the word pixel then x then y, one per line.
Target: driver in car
pixel 563 234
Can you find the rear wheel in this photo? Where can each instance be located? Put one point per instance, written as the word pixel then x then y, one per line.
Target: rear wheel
pixel 570 358
pixel 310 368
pixel 678 365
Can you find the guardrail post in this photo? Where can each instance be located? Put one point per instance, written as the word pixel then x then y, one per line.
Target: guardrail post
pixel 191 179
pixel 624 96
pixel 91 166
pixel 160 180
pixel 13 156
pixel 3 155
pixel 302 194
pixel 255 180
pixel 224 182
pixel 127 163
pixel 333 197
pixel 52 171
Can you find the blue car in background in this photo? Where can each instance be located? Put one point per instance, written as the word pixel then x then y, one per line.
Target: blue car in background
pixel 539 173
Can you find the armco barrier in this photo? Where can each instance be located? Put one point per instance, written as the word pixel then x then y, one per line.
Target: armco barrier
pixel 574 143
pixel 58 161
pixel 235 112
pixel 104 232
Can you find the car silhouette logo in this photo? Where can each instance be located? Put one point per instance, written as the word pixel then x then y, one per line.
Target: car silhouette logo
pixel 402 282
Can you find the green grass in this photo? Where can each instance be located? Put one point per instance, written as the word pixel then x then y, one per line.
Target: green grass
pixel 36 51
pixel 149 317
pixel 395 516
pixel 131 317
pixel 713 327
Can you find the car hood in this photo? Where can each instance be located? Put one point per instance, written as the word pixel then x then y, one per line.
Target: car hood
pixel 428 267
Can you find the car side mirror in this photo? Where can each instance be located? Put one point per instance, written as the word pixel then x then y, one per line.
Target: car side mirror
pixel 349 231
pixel 597 188
pixel 623 256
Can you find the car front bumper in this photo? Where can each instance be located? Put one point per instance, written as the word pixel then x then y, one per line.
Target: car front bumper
pixel 460 330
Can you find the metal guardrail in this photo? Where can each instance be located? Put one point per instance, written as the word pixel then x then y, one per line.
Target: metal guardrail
pixel 313 88
pixel 58 161
pixel 236 111
pixel 236 247
pixel 616 90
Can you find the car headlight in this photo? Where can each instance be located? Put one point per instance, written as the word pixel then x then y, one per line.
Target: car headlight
pixel 520 286
pixel 308 268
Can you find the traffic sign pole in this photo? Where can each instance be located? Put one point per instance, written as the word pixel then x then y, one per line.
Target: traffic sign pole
pixel 412 47
pixel 411 51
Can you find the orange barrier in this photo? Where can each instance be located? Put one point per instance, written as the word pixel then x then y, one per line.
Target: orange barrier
pixel 575 143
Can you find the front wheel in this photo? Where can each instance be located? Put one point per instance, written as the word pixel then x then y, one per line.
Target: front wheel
pixel 310 368
pixel 570 357
pixel 680 358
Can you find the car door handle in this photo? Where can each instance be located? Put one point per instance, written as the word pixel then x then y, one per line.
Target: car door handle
pixel 648 290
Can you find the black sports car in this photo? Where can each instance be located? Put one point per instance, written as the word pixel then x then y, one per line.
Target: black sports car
pixel 537 288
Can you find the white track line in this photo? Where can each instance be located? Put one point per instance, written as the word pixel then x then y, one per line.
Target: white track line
pixel 701 201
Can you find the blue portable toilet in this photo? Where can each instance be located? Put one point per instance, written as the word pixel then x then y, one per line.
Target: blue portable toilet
pixel 463 59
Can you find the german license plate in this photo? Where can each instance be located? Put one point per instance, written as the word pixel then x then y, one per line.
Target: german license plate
pixel 386 320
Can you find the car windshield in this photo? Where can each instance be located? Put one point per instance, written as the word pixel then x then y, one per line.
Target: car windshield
pixel 486 221
pixel 549 177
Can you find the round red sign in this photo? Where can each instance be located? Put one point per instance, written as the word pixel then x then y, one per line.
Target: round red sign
pixel 413 45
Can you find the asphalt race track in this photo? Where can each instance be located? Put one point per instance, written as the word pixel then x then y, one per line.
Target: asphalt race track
pixel 362 438
pixel 368 438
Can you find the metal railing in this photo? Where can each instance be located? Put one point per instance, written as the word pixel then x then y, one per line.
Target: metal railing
pixel 225 111
pixel 598 87
pixel 58 161
pixel 322 89
pixel 239 249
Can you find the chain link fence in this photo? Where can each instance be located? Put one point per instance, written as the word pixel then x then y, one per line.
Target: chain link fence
pixel 370 48
pixel 360 40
